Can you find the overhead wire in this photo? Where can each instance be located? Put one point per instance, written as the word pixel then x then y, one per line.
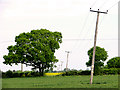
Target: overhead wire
pixel 99 24
pixel 101 20
pixel 103 16
pixel 98 39
pixel 90 39
pixel 86 34
pixel 83 44
pixel 93 4
pixel 83 25
pixel 113 5
pixel 86 22
pixel 2 42
pixel 81 29
pixel 103 4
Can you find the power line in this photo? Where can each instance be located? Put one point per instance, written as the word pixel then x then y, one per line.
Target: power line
pixel 86 19
pixel 84 39
pixel 93 4
pixel 89 39
pixel 85 35
pixel 113 5
pixel 103 4
pixel 6 41
pixel 101 21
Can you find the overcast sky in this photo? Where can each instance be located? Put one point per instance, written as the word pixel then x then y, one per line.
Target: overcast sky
pixel 70 17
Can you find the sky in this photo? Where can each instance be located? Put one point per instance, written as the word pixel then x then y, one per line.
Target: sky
pixel 70 17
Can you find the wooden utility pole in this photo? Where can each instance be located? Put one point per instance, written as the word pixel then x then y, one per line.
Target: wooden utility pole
pixel 21 67
pixel 61 65
pixel 95 38
pixel 67 60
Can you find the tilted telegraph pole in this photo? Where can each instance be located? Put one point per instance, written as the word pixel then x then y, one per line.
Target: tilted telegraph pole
pixel 67 60
pixel 95 38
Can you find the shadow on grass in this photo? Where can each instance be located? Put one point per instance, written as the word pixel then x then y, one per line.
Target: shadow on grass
pixel 95 83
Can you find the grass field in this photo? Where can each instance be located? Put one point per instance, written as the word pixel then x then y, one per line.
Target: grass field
pixel 106 81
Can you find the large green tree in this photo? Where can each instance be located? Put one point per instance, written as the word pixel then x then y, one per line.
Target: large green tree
pixel 100 57
pixel 35 48
pixel 114 62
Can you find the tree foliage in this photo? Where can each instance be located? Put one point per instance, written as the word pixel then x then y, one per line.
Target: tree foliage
pixel 35 48
pixel 100 57
pixel 114 62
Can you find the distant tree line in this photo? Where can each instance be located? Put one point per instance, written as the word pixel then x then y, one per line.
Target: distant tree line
pixel 37 48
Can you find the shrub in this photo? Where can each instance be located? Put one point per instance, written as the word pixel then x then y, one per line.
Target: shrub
pixel 3 75
pixel 34 74
pixel 118 70
pixel 9 74
pixel 75 72
pixel 28 74
pixel 111 71
pixel 23 75
pixel 69 73
pixel 18 71
pixel 114 62
pixel 37 74
pixel 86 72
pixel 15 74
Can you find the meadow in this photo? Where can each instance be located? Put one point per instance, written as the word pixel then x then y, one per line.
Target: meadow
pixel 105 81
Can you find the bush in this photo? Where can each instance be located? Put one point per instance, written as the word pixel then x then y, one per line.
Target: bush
pixel 3 75
pixel 9 74
pixel 118 70
pixel 26 73
pixel 75 72
pixel 23 75
pixel 37 74
pixel 69 73
pixel 29 74
pixel 34 74
pixel 111 71
pixel 15 74
pixel 86 72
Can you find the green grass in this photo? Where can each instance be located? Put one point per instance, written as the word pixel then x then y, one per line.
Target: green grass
pixel 106 81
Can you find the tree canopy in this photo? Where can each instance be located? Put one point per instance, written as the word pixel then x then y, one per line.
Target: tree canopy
pixel 100 57
pixel 114 62
pixel 35 48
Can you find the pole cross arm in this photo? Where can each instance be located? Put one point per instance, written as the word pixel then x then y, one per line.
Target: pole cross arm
pixel 98 11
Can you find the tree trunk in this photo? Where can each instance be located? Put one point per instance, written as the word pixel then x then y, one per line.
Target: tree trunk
pixel 39 69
